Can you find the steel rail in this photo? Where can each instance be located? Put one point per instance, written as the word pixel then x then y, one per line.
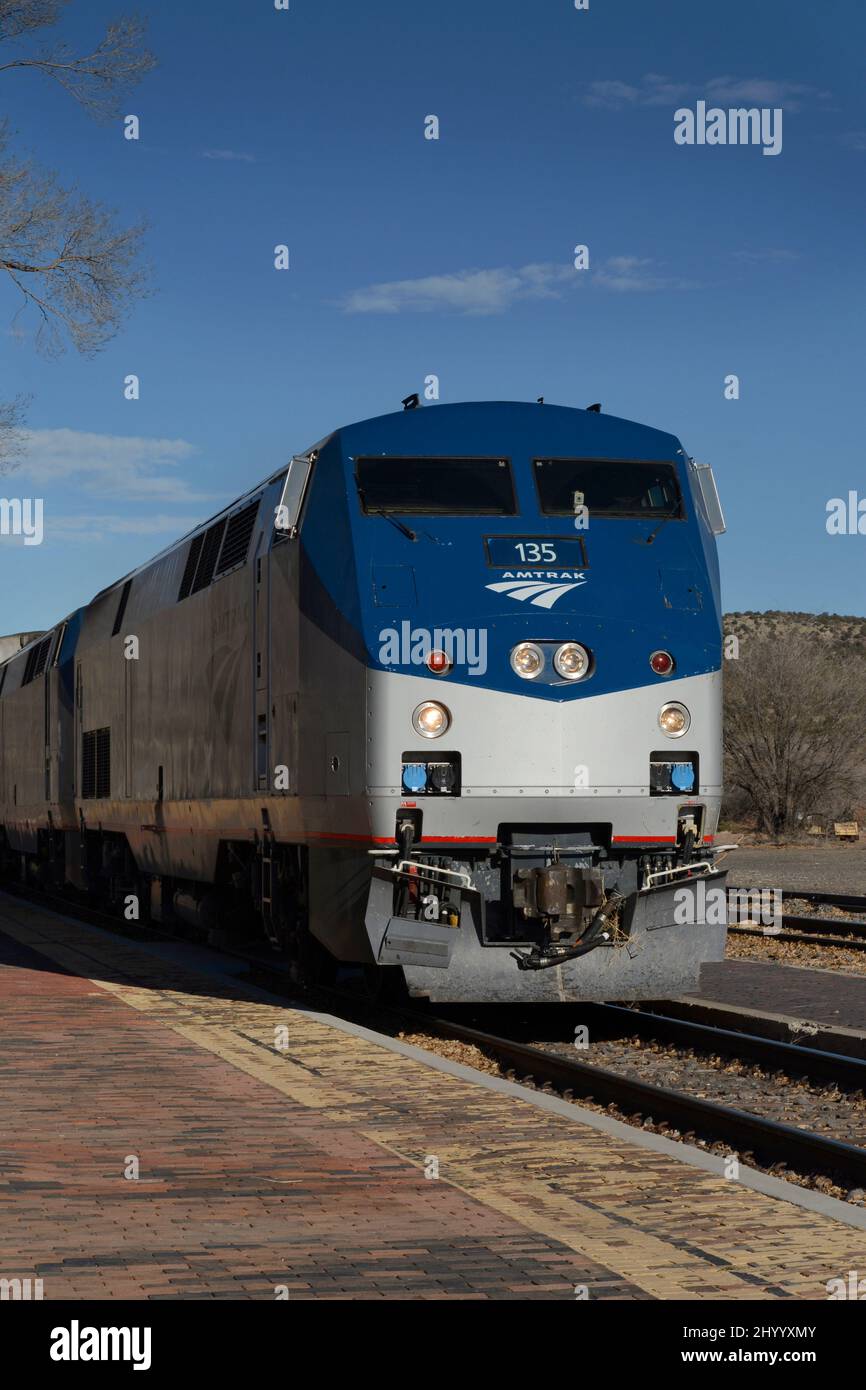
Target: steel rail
pixel 813 931
pixel 850 902
pixel 795 1059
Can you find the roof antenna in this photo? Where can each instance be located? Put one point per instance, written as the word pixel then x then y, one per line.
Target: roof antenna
pixel 596 407
pixel 412 402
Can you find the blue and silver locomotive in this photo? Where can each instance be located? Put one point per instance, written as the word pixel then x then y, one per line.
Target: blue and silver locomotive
pixel 441 699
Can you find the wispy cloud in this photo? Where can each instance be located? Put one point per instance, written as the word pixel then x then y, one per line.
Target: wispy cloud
pixel 494 291
pixel 854 139
pixel 774 255
pixel 117 466
pixel 238 156
pixel 463 291
pixel 653 89
pixel 637 274
pixel 87 526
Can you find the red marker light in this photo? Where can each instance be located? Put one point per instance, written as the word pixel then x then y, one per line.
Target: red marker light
pixel 439 663
pixel 662 663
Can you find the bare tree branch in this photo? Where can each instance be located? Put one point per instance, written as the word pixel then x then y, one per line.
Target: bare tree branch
pixel 61 253
pixel 12 416
pixel 95 79
pixel 66 258
pixel 19 17
pixel 793 729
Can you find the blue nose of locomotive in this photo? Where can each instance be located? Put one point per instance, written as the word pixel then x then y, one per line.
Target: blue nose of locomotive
pixel 483 538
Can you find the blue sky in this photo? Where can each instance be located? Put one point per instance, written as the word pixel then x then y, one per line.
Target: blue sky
pixel 454 257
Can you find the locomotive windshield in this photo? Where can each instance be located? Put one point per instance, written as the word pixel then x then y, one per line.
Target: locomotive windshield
pixel 607 488
pixel 437 486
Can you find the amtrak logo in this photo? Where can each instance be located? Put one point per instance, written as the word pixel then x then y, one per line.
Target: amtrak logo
pixel 541 593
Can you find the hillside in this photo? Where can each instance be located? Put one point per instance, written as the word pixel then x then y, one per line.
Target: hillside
pixel 843 632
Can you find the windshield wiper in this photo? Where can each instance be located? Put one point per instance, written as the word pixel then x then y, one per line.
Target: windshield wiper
pixel 668 516
pixel 377 511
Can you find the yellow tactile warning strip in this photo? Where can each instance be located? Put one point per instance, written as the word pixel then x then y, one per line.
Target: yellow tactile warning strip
pixel 670 1228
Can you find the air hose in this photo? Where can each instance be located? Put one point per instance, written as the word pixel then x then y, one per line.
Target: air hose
pixel 595 935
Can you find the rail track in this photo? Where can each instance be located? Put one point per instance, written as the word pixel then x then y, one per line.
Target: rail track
pixel 794 1059
pixel 759 1140
pixel 848 902
pixel 849 932
pixel 815 931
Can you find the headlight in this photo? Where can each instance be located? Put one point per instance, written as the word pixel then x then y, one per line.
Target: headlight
pixel 527 660
pixel 431 719
pixel 571 661
pixel 674 720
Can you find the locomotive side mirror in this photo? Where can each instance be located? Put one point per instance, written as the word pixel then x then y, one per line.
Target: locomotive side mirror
pixel 709 495
pixel 288 512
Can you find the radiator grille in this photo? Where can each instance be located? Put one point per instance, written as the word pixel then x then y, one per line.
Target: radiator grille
pixel 189 569
pixel 121 608
pixel 237 537
pixel 37 659
pixel 96 764
pixel 207 559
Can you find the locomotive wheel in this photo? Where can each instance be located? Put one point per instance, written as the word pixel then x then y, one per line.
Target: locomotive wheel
pixel 385 984
pixel 315 965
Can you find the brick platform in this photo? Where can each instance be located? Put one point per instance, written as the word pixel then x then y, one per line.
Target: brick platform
pixel 305 1167
pixel 820 996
